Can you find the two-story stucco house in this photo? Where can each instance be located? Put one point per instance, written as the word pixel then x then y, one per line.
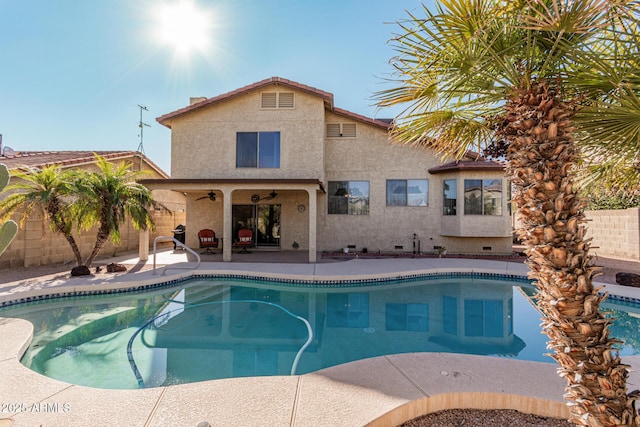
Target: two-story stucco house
pixel 278 157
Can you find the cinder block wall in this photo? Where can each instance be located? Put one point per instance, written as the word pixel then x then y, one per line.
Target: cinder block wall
pixel 615 233
pixel 36 245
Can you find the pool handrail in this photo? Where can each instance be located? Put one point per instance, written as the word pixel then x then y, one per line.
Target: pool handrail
pixel 178 243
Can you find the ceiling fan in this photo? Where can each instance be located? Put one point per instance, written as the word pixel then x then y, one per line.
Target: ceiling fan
pixel 256 198
pixel 211 196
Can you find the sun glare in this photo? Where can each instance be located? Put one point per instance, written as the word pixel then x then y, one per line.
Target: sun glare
pixel 183 26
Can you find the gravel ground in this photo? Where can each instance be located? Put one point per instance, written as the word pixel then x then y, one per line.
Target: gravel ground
pixel 484 418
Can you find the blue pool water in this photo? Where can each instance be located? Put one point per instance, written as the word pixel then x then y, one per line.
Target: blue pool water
pixel 220 328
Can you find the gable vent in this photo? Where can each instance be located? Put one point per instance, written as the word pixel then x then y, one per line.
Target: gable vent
pixel 341 130
pixel 333 130
pixel 276 100
pixel 268 100
pixel 285 100
pixel 349 130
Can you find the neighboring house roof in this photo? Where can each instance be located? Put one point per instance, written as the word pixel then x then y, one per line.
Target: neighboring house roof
pixel 467 165
pixel 326 96
pixel 67 159
pixel 470 161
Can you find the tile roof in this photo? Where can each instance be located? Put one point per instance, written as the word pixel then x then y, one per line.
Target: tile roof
pixel 466 165
pixel 65 159
pixel 328 101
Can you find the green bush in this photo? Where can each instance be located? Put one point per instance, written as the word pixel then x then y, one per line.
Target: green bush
pixel 612 201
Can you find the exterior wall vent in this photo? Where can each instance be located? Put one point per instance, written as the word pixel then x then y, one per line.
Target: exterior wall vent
pixel 398 247
pixel 276 100
pixel 486 248
pixel 341 130
pixel 349 130
pixel 285 100
pixel 333 130
pixel 268 100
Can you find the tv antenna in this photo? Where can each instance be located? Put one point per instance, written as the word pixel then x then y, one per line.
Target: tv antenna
pixel 141 125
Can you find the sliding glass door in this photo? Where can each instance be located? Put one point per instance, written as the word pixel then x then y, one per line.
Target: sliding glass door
pixel 262 219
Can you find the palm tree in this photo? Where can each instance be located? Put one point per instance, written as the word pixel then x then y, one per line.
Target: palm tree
pixel 106 197
pixel 541 83
pixel 47 191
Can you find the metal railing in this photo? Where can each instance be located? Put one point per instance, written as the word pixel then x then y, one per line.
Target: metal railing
pixel 177 267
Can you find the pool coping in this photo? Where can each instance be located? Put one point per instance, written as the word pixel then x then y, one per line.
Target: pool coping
pixel 372 391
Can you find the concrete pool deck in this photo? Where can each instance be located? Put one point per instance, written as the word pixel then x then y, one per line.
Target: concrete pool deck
pixel 356 393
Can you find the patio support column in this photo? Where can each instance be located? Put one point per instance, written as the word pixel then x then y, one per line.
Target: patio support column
pixel 227 225
pixel 313 220
pixel 143 245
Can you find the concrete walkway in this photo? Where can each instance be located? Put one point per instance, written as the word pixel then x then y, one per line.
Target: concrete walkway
pixel 353 394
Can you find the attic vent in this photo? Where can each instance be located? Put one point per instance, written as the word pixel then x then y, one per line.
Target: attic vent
pixel 285 100
pixel 276 100
pixel 333 130
pixel 341 130
pixel 349 130
pixel 268 100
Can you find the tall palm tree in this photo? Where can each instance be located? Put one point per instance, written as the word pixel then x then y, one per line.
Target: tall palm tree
pixel 539 83
pixel 47 191
pixel 107 197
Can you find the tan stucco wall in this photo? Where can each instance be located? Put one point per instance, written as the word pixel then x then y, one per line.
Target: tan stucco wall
pixel 371 157
pixel 203 143
pixel 204 147
pixel 615 233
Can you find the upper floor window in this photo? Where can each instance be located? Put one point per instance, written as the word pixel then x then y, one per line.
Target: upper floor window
pixel 341 130
pixel 450 197
pixel 483 197
pixel 349 197
pixel 258 150
pixel 407 192
pixel 276 100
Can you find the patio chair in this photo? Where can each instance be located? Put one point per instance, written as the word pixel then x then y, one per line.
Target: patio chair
pixel 245 240
pixel 207 240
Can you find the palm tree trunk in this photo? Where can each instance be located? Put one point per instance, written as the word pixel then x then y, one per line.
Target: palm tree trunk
pixel 101 238
pixel 74 247
pixel 540 156
pixel 62 226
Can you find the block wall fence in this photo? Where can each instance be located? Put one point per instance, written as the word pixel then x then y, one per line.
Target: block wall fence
pixel 615 233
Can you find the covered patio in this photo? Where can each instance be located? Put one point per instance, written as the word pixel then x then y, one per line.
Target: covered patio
pixel 281 213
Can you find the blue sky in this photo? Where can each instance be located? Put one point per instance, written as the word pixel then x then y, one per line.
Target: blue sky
pixel 72 73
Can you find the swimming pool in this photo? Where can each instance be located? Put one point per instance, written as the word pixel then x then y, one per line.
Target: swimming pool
pixel 211 328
